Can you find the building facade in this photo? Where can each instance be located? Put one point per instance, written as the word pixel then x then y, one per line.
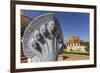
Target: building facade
pixel 24 23
pixel 74 45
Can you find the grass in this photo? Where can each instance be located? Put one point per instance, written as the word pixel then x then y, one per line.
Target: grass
pixel 78 53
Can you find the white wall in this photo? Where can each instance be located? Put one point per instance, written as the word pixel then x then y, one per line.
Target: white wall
pixel 5 36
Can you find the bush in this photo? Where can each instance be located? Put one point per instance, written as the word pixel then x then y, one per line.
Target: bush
pixel 78 53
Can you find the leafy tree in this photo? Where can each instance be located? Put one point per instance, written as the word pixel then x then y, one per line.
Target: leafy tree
pixel 85 43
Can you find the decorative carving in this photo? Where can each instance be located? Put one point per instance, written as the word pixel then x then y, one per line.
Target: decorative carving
pixel 43 39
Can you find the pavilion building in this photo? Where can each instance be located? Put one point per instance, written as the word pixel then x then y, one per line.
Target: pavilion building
pixel 73 45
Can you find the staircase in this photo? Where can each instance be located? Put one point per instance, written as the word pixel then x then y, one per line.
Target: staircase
pixel 23 58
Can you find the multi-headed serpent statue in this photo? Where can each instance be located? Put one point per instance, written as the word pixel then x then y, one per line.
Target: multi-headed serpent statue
pixel 43 39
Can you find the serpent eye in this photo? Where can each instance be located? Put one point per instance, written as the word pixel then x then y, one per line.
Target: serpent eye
pixel 34 46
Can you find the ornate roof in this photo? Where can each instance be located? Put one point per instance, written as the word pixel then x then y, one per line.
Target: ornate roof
pixel 73 39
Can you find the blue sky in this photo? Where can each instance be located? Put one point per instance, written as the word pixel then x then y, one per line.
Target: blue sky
pixel 72 23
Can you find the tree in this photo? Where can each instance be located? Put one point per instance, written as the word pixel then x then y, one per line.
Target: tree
pixel 85 43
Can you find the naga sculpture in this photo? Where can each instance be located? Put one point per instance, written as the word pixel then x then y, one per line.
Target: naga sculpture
pixel 43 39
